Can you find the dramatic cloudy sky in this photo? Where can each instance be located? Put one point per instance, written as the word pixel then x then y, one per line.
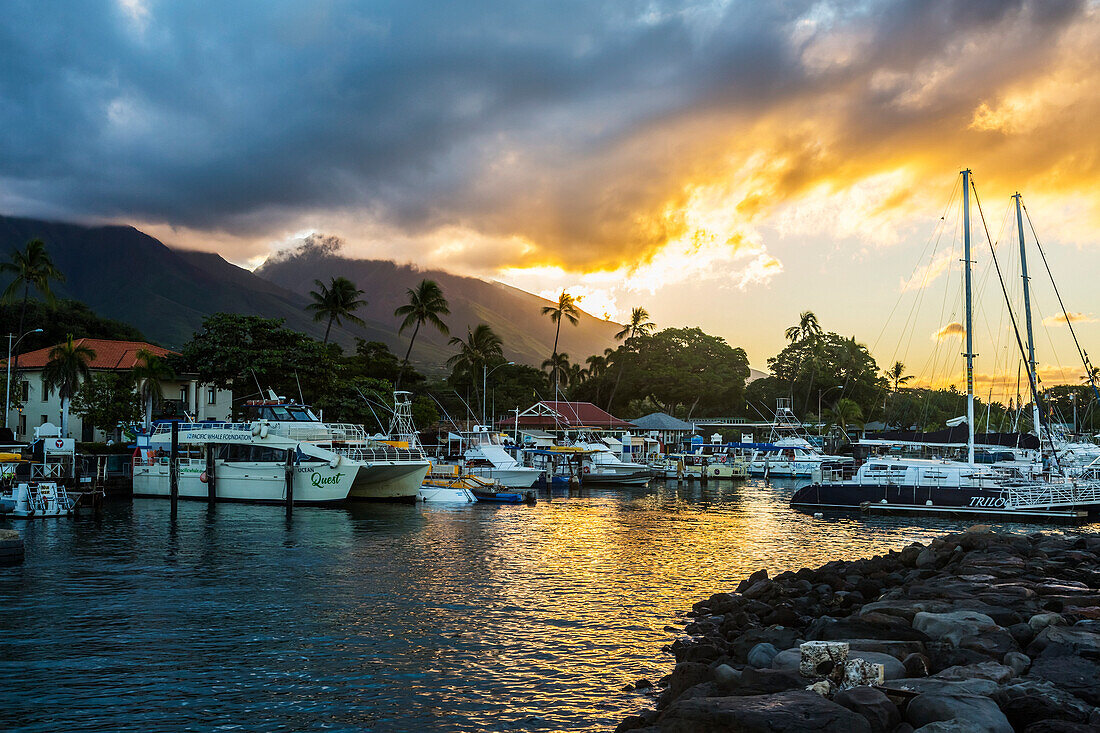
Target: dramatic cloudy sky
pixel 726 164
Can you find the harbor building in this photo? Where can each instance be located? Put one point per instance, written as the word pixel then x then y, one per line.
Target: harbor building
pixel 183 396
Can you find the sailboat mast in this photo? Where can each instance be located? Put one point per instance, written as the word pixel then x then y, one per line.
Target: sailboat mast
pixel 1032 365
pixel 969 321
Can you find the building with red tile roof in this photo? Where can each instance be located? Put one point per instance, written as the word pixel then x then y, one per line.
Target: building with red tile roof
pixel 565 415
pixel 109 355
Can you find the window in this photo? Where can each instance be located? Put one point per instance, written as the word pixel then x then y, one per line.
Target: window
pixel 211 396
pixel 45 419
pixel 183 394
pixel 25 391
pixel 23 423
pixel 45 389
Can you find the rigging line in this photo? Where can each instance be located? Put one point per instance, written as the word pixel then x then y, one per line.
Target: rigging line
pixel 934 237
pixel 1069 322
pixel 1015 327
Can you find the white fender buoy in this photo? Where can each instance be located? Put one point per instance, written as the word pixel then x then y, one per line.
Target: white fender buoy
pixel 335 461
pixel 263 432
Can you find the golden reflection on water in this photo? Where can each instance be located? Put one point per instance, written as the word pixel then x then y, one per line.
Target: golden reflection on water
pixel 390 617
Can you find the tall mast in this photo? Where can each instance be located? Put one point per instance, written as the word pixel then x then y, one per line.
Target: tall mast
pixel 969 322
pixel 1032 365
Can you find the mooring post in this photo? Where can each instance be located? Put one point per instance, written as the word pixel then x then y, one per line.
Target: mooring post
pixel 289 481
pixel 173 467
pixel 211 485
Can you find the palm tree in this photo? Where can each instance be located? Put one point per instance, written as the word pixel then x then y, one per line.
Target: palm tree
pixel 150 373
pixel 844 413
pixel 566 307
pixel 639 325
pixel 426 305
pixel 337 300
pixel 895 375
pixel 807 328
pixel 481 348
pixel 66 369
pixel 559 367
pixel 31 267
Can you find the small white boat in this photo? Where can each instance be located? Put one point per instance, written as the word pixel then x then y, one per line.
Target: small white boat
pixel 37 499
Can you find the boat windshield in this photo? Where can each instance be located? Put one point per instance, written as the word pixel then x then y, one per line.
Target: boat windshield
pixel 287 413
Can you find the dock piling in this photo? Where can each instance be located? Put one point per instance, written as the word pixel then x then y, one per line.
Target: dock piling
pixel 173 467
pixel 289 482
pixel 211 483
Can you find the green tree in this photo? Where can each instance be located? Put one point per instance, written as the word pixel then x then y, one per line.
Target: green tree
pixel 150 373
pixel 482 348
pixel 31 267
pixel 897 376
pixel 66 368
pixel 844 413
pixel 559 368
pixel 426 305
pixel 828 365
pixel 639 325
pixel 566 308
pixel 338 300
pixel 806 329
pixel 107 400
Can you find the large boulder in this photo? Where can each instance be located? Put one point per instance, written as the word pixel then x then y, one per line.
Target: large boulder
pixel 866 626
pixel 873 705
pixel 761 655
pixel 998 673
pixel 931 707
pixel 1075 639
pixel 798 711
pixel 1027 702
pixel 1076 675
pixel 893 647
pixel 954 626
pixel 781 637
pixel 922 685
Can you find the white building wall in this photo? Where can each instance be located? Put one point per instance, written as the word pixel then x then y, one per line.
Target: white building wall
pixel 199 402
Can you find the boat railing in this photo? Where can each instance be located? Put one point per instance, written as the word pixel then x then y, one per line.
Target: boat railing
pixel 165 428
pixel 378 453
pixel 1044 494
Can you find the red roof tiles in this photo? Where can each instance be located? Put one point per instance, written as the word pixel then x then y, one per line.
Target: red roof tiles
pixel 572 414
pixel 116 355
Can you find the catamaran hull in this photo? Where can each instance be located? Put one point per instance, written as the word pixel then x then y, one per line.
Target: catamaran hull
pixel 389 482
pixel 444 494
pixel 248 482
pixel 784 469
pixel 927 500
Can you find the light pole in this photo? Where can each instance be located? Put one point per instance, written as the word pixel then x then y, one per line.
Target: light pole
pixel 819 393
pixel 11 347
pixel 485 372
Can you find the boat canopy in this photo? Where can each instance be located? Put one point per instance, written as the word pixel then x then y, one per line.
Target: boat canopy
pixel 957 435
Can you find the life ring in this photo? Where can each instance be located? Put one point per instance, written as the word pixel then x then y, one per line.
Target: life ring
pixel 721 459
pixel 203 477
pixel 588 469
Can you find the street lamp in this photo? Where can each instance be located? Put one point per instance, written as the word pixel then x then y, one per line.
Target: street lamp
pixel 485 372
pixel 7 393
pixel 819 393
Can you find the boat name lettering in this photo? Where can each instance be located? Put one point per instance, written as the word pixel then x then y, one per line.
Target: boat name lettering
pixel 987 501
pixel 210 436
pixel 318 480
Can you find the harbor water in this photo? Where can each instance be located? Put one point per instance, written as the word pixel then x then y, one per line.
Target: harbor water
pixel 387 617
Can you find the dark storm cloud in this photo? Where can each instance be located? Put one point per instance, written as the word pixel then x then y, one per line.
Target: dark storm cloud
pixel 566 123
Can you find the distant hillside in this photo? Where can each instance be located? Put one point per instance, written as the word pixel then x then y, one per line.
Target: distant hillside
pixel 514 314
pixel 124 274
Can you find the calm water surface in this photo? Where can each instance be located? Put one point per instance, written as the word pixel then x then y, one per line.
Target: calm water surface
pixel 385 617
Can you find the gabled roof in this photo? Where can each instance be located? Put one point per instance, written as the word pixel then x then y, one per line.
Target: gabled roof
pixel 552 413
pixel 663 421
pixel 117 355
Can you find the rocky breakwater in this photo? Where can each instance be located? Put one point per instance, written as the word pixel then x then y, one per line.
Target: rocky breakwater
pixel 975 632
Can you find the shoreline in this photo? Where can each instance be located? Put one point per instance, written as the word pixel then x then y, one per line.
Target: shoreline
pixel 976 631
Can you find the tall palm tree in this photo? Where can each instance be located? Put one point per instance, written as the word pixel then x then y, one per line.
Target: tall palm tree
pixel 895 375
pixel 807 328
pixel 31 267
pixel 337 300
pixel 149 374
pixel 426 305
pixel 566 308
pixel 481 348
pixel 560 368
pixel 844 413
pixel 639 325
pixel 66 369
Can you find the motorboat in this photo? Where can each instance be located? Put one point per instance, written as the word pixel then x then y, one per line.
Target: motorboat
pixel 36 499
pixel 448 484
pixel 601 466
pixel 692 466
pixel 485 456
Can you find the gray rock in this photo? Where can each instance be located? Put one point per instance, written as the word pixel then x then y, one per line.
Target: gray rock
pixel 797 711
pixel 933 685
pixel 906 608
pixel 916 665
pixel 789 659
pixel 761 655
pixel 954 626
pixel 1040 621
pixel 1019 662
pixel 981 711
pixel 1076 639
pixel 1076 675
pixel 892 668
pixel 882 714
pixel 896 649
pixel 952 726
pixel 998 673
pixel 927 558
pixel 726 675
pixel 1026 702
